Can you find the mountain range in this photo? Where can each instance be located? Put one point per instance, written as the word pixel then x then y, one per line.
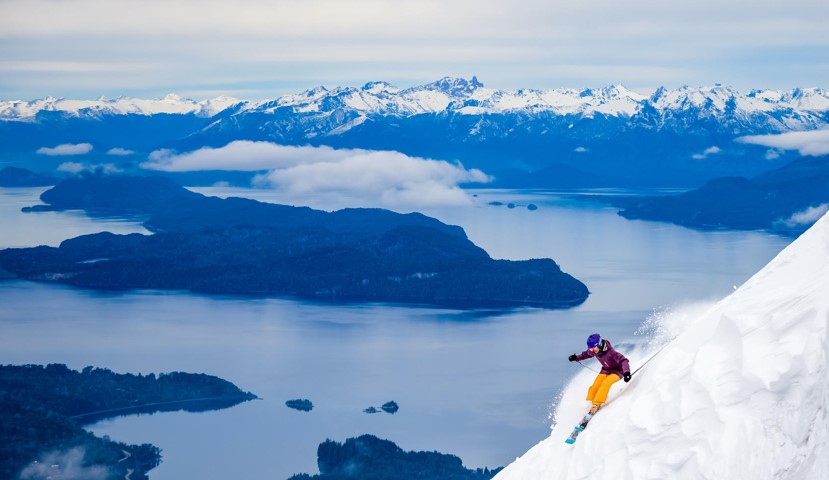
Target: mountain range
pixel 609 136
pixel 779 110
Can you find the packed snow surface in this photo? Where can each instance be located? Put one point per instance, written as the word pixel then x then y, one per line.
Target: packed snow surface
pixel 740 389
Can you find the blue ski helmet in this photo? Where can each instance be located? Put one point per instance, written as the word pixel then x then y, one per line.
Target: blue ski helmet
pixel 594 340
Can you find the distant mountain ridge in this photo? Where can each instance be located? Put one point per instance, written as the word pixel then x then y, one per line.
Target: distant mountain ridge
pixel 800 107
pixel 564 137
pixel 171 104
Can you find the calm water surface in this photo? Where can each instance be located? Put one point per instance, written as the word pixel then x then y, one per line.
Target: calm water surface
pixel 479 384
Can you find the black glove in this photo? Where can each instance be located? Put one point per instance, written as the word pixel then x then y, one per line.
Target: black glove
pixel 627 377
pixel 572 357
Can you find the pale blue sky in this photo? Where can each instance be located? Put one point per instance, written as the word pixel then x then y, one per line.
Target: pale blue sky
pixel 258 49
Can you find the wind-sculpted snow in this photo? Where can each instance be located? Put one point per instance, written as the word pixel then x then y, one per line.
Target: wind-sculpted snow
pixel 740 392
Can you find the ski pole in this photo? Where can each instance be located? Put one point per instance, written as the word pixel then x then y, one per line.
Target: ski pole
pixel 585 366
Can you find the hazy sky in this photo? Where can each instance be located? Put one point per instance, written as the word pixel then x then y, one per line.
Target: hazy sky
pixel 257 49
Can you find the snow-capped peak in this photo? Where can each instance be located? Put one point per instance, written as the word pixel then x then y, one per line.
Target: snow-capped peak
pixel 456 87
pixel 814 99
pixel 739 393
pixel 170 104
pixel 694 97
pixel 316 92
pixel 378 88
pixel 620 91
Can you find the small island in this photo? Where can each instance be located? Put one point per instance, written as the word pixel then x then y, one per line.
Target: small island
pixel 370 458
pixel 241 246
pixel 302 405
pixel 388 407
pixel 43 410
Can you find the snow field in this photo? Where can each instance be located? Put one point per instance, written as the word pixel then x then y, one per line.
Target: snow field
pixel 741 392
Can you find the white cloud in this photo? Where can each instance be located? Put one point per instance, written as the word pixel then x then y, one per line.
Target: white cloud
pixel 580 150
pixel 807 216
pixel 71 167
pixel 708 151
pixel 66 149
pixel 67 464
pixel 77 167
pixel 121 152
pixel 814 142
pixel 772 154
pixel 242 155
pixel 385 177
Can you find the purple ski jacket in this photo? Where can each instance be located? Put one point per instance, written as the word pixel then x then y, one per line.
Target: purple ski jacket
pixel 611 360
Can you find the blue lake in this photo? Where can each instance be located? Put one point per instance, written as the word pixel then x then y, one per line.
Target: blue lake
pixel 478 384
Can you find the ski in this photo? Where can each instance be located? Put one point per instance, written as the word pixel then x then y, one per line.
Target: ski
pixel 579 428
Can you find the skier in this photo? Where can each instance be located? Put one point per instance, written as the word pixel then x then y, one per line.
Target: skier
pixel 614 367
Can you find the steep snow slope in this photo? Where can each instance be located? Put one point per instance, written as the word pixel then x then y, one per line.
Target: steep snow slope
pixel 741 392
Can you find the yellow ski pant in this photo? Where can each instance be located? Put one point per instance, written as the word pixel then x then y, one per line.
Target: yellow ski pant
pixel 597 393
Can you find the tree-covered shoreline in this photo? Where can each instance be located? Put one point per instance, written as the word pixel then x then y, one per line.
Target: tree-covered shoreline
pixel 43 410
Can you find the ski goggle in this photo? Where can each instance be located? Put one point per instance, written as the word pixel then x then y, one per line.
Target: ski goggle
pixel 595 349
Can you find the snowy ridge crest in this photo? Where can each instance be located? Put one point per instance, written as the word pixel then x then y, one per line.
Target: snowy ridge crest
pixel 806 107
pixel 454 95
pixel 170 104
pixel 740 393
pixel 332 112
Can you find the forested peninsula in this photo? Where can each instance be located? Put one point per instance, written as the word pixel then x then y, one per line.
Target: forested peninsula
pixel 785 201
pixel 43 410
pixel 241 246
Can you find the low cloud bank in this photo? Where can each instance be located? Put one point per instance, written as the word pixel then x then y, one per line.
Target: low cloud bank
pixel 68 465
pixel 385 177
pixel 813 143
pixel 66 149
